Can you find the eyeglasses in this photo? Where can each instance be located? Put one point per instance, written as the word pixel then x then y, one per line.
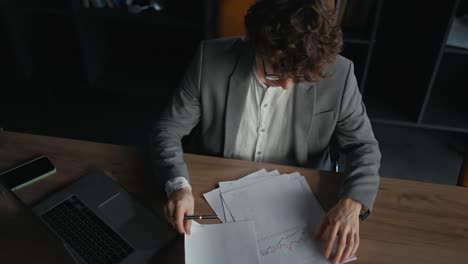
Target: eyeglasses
pixel 276 77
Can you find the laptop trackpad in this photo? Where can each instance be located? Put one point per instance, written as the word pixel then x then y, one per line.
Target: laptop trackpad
pixel 118 209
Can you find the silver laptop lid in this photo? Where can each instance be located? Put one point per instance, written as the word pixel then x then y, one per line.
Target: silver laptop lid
pixel 24 238
pixel 123 224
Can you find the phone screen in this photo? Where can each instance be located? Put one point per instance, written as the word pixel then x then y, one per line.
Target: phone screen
pixel 26 172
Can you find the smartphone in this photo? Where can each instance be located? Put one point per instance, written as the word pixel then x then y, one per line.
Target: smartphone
pixel 27 173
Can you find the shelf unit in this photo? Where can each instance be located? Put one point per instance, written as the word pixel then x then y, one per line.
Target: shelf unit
pixel 414 79
pixel 416 88
pixel 446 103
pixel 359 41
pixel 455 50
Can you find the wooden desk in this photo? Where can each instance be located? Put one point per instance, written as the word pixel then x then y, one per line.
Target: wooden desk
pixel 412 222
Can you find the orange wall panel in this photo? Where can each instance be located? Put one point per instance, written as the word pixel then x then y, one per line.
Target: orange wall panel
pixel 231 17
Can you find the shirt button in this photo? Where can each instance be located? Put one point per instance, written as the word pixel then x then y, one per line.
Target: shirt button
pixel 262 130
pixel 265 105
pixel 259 153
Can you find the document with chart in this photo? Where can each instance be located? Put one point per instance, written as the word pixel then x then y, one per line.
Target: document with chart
pixel 229 243
pixel 285 214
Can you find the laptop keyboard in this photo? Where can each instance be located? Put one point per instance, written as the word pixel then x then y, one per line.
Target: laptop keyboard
pixel 86 233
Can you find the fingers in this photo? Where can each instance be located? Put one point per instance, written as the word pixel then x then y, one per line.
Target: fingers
pixel 166 213
pixel 331 241
pixel 179 218
pixel 343 240
pixel 169 211
pixel 175 216
pixel 180 204
pixel 356 243
pixel 356 240
pixel 349 247
pixel 188 224
pixel 321 229
pixel 341 246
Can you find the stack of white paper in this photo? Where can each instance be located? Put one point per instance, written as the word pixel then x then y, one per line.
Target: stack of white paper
pixel 284 212
pixel 230 243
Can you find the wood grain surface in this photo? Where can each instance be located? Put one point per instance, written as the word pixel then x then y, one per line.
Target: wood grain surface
pixel 412 222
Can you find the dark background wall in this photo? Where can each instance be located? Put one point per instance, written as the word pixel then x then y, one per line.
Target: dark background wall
pixel 104 74
pixel 97 73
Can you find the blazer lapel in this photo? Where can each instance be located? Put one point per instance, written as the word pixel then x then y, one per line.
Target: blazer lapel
pixel 237 92
pixel 303 113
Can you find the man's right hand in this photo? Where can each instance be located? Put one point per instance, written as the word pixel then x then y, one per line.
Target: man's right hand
pixel 180 204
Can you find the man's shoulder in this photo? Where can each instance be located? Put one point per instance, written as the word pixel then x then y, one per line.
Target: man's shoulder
pixel 224 42
pixel 340 63
pixel 221 55
pixel 338 70
pixel 330 89
pixel 227 45
pixel 337 74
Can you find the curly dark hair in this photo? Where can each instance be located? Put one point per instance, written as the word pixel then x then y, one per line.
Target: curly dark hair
pixel 295 37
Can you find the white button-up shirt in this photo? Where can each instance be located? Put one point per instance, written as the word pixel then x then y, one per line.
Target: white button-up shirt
pixel 265 131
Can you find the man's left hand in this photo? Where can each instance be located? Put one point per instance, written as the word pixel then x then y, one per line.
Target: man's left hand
pixel 342 223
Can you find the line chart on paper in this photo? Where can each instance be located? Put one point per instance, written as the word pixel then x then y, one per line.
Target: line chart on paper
pixel 293 245
pixel 286 242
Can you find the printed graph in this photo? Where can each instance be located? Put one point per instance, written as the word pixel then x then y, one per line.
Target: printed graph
pixel 287 242
pixel 293 245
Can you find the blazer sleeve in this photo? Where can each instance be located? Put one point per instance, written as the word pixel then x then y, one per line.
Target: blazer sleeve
pixel 179 117
pixel 356 139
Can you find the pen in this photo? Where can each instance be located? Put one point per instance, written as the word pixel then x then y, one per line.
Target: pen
pixel 199 217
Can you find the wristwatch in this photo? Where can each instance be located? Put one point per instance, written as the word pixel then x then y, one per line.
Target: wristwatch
pixel 364 213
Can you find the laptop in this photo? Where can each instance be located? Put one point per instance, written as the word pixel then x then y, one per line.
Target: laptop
pixel 99 222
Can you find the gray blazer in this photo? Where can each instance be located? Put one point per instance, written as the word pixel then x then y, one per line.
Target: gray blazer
pixel 211 97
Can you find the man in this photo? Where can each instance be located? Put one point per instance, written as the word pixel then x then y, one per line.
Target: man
pixel 280 96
